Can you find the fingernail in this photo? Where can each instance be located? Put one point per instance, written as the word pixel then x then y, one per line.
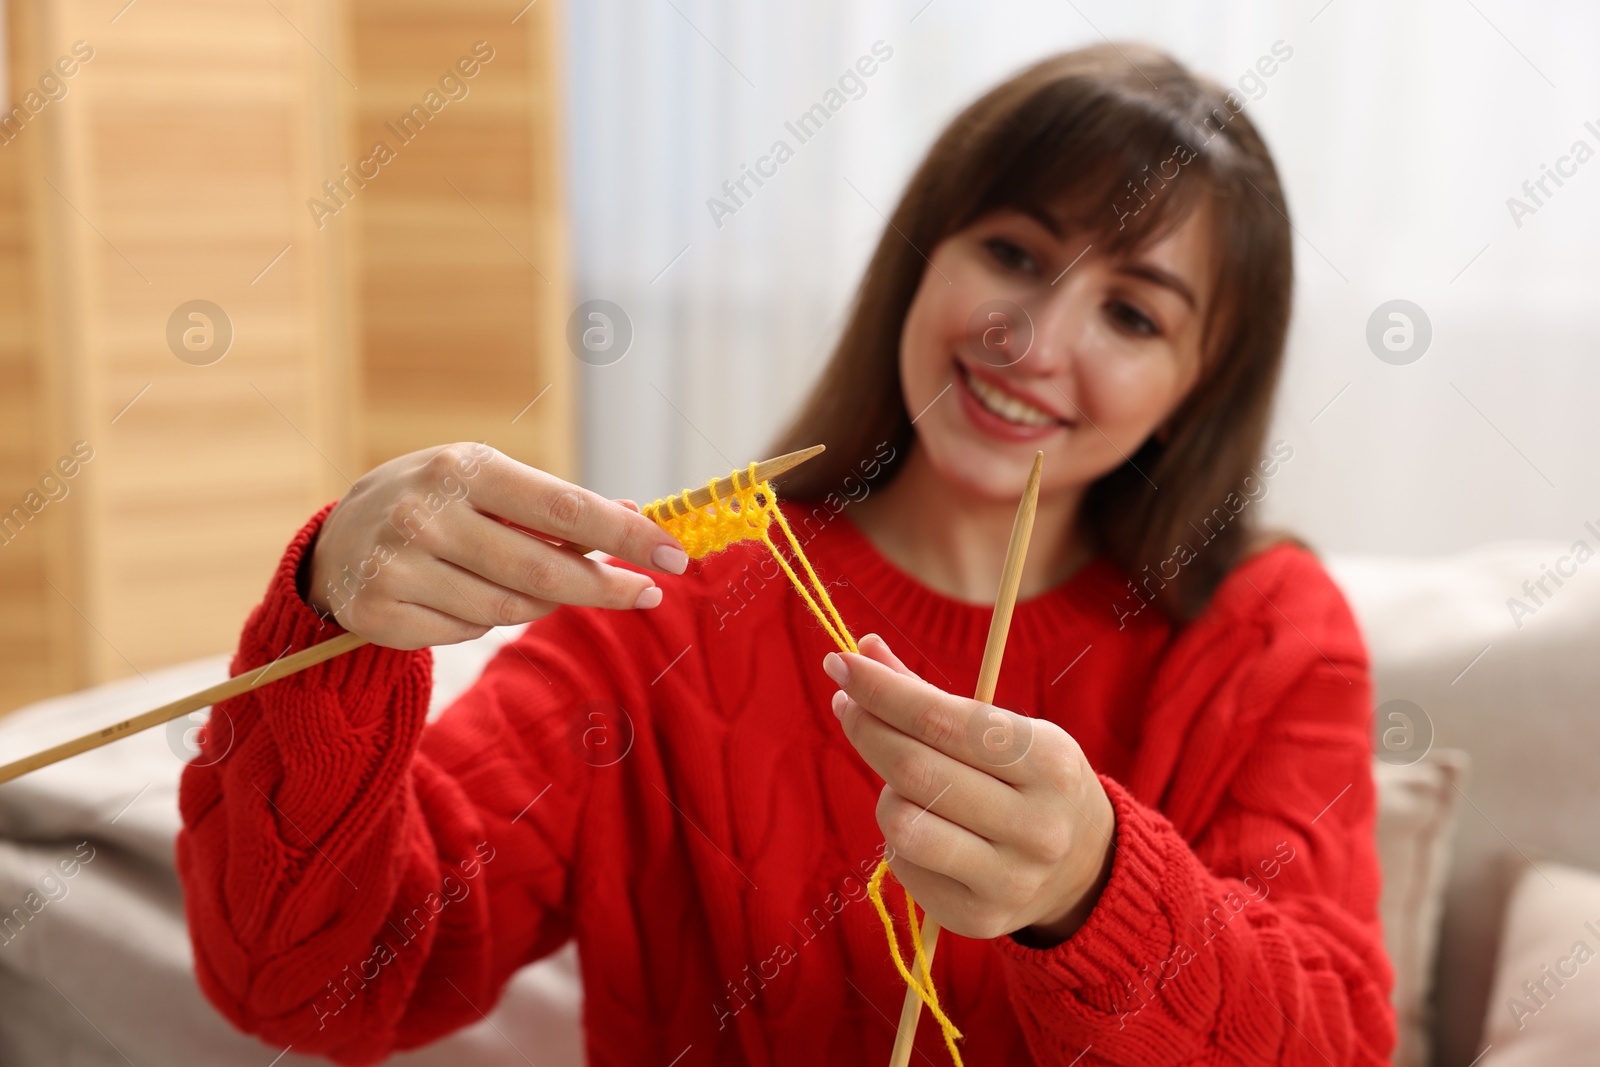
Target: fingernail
pixel 648 597
pixel 837 669
pixel 840 699
pixel 669 558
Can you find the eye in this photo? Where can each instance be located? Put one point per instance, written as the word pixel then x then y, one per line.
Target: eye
pixel 1010 255
pixel 1132 319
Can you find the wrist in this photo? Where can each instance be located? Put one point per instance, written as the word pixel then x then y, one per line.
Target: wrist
pixel 305 577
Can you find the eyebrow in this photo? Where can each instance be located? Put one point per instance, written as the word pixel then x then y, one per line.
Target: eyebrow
pixel 1144 271
pixel 1045 219
pixel 1166 279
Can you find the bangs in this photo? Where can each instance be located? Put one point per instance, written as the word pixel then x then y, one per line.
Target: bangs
pixel 1122 169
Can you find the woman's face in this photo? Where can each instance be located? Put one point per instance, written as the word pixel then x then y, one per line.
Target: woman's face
pixel 1019 339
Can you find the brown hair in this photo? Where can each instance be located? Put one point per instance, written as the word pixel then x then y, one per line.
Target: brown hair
pixel 1099 130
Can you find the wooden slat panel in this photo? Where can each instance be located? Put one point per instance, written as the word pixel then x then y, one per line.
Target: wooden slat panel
pixel 36 636
pixel 463 282
pixel 177 170
pixel 178 167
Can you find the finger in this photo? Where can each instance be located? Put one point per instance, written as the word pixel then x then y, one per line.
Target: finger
pixel 412 626
pixel 941 896
pixel 918 835
pixel 877 648
pixel 960 793
pixel 538 570
pixel 957 908
pixel 980 735
pixel 421 601
pixel 539 501
pixel 457 592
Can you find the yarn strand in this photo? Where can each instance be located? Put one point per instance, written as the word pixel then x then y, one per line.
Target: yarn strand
pixel 748 515
pixel 922 987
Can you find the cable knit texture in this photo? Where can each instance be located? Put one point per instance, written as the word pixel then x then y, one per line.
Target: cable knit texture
pixel 670 790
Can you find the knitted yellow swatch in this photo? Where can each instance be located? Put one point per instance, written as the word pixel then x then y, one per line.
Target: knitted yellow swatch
pixel 748 516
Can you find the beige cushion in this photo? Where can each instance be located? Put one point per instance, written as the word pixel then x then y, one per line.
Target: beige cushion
pixel 1551 940
pixel 1416 812
pixel 1521 701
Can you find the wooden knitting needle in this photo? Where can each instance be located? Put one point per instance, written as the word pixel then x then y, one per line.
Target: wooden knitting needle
pixel 326 650
pixel 240 683
pixel 765 470
pixel 988 676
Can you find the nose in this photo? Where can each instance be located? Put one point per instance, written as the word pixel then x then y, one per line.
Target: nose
pixel 1000 333
pixel 1057 318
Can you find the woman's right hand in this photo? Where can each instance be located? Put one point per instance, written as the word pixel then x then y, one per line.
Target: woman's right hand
pixel 419 551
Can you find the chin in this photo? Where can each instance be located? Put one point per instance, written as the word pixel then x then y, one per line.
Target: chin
pixel 974 468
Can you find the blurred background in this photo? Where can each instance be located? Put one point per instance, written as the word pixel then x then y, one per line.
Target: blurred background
pixel 250 249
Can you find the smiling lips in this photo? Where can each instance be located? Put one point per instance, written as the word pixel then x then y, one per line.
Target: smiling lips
pixel 1000 412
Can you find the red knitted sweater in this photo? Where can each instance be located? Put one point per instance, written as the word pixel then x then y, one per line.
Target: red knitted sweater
pixel 670 789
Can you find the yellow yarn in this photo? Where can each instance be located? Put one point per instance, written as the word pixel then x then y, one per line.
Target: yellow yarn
pixel 923 989
pixel 747 516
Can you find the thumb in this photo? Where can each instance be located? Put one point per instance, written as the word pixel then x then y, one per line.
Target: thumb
pixel 876 648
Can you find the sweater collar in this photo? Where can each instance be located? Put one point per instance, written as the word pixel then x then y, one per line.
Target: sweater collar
pixel 1086 599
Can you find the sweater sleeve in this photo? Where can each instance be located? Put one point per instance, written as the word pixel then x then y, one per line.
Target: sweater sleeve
pixel 343 864
pixel 1253 937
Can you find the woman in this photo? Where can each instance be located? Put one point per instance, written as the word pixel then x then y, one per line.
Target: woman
pixel 1157 847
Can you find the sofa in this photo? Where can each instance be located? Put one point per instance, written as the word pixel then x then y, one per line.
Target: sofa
pixel 1485 757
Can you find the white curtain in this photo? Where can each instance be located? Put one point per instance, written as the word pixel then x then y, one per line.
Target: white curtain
pixel 1401 129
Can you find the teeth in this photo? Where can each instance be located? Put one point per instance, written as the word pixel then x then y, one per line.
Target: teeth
pixel 1005 405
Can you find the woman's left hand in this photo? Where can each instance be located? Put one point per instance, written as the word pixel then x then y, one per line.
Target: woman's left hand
pixel 995 821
